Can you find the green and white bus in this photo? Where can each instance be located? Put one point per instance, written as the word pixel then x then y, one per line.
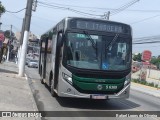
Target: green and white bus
pixel 87 58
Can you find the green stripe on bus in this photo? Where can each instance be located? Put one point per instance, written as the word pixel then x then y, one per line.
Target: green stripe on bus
pixel 97 86
pixel 98 80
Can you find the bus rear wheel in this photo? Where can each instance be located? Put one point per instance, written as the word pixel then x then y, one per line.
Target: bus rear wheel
pixel 53 93
pixel 41 79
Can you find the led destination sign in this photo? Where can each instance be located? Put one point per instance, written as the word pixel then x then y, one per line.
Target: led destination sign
pixel 100 26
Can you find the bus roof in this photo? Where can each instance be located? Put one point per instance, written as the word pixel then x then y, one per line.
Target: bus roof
pixel 83 18
pixel 96 19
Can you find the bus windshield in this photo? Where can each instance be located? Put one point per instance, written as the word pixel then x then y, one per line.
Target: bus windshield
pixel 99 52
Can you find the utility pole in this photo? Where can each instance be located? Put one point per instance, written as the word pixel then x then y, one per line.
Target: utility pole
pixel 8 52
pixel 34 6
pixel 107 15
pixel 22 32
pixel 0 25
pixel 25 38
pixel 21 40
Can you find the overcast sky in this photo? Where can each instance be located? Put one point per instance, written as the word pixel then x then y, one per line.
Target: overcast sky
pixel 143 16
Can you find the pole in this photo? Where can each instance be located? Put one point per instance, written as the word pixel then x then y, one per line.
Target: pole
pixel 22 32
pixel 0 25
pixel 108 15
pixel 8 52
pixel 149 71
pixel 25 39
pixel 21 40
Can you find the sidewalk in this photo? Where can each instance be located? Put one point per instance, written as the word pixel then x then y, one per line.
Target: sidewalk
pixel 15 92
pixel 146 89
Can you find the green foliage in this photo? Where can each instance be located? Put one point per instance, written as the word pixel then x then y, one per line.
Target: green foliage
pixel 135 80
pixel 156 85
pixel 137 57
pixel 144 82
pixel 44 36
pixel 2 8
pixel 155 61
pixel 7 34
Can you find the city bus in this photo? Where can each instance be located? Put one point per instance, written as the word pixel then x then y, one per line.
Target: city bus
pixel 87 58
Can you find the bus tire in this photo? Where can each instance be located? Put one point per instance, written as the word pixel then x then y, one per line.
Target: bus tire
pixel 53 93
pixel 41 79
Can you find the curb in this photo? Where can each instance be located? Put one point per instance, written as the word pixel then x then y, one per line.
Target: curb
pixel 145 92
pixel 33 100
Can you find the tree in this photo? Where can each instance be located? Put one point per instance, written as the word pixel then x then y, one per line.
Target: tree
pixel 7 34
pixel 155 61
pixel 137 57
pixel 2 9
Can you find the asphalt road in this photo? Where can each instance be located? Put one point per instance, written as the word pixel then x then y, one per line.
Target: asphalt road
pixel 45 102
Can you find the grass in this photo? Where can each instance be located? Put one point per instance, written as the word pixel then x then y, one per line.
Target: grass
pixel 144 82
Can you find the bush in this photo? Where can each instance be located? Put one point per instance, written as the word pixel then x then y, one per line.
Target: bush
pixel 135 80
pixel 156 85
pixel 144 82
pixel 151 84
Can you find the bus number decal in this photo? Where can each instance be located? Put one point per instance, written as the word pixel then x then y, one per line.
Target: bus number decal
pixel 111 87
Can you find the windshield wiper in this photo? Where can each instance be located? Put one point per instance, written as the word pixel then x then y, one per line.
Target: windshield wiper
pixel 112 41
pixel 90 39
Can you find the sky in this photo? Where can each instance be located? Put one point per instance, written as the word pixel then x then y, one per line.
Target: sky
pixel 143 16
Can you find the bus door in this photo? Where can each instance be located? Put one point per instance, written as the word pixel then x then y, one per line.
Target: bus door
pixel 48 62
pixel 43 55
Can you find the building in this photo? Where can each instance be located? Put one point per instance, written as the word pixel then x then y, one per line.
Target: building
pixel 33 43
pixel 31 36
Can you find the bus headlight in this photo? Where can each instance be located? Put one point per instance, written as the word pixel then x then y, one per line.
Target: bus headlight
pixel 67 78
pixel 128 79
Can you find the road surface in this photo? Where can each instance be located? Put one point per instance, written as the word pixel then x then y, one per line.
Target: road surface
pixel 45 102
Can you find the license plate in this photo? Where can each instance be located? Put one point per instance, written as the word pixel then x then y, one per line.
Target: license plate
pixel 98 96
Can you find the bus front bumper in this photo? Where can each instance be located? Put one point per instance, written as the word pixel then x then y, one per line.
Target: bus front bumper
pixel 67 90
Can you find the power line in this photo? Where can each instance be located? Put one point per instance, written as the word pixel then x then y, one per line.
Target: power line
pixel 16 11
pixel 67 8
pixel 76 6
pixel 146 38
pixel 5 25
pixel 15 16
pixel 146 42
pixel 14 27
pixel 63 9
pixel 148 46
pixel 124 7
pixel 43 18
pixel 101 8
pixel 145 19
